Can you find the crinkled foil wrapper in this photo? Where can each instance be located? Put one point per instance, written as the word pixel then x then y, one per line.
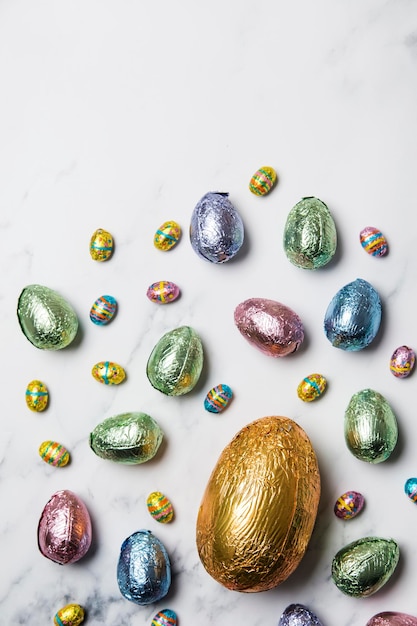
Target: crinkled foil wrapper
pixel 298 615
pixel 392 618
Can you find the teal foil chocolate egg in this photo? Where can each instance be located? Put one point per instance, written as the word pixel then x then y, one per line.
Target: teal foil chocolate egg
pixel 353 317
pixel 362 567
pixel 129 438
pixel 310 237
pixel 176 362
pixel 392 618
pixel 370 426
pixel 143 569
pixel 47 320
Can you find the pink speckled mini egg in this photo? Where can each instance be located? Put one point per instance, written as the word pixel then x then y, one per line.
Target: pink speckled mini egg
pixel 163 292
pixel 402 362
pixel 348 505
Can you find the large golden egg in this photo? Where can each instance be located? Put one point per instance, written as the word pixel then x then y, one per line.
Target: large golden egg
pixel 259 507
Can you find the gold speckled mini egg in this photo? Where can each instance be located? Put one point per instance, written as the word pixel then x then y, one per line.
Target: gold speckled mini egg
pixel 54 453
pixel 70 615
pixel 108 373
pixel 263 181
pixel 167 235
pixel 101 245
pixel 37 396
pixel 311 387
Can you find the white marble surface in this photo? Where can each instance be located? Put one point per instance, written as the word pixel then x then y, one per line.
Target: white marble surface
pixel 121 115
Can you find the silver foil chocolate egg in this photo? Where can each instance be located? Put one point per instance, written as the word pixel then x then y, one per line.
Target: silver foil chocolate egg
pixel 143 569
pixel 47 320
pixel 370 426
pixel 392 618
pixel 271 327
pixel 216 230
pixel 64 530
pixel 353 316
pixel 298 615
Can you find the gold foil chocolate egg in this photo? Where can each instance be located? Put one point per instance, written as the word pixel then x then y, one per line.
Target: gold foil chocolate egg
pixel 392 618
pixel 69 615
pixel 108 373
pixel 371 429
pixel 37 396
pixel 101 245
pixel 263 181
pixel 167 236
pixel 160 507
pixel 54 453
pixel 361 568
pixel 311 387
pixel 47 320
pixel 259 507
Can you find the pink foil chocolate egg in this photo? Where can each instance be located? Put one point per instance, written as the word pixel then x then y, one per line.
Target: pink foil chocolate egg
pixel 163 292
pixel 402 362
pixel 349 505
pixel 392 618
pixel 271 327
pixel 64 530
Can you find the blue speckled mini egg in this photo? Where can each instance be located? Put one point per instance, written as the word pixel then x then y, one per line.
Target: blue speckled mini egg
pixel 410 488
pixel 218 398
pixel 103 310
pixel 166 617
pixel 143 569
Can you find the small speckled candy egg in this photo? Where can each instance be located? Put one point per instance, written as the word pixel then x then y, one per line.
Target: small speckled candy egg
pixel 298 615
pixel 101 245
pixel 218 398
pixel 108 373
pixel 167 235
pixel 373 241
pixel 69 615
pixel 103 310
pixel 392 618
pixel 37 396
pixel 349 505
pixel 311 387
pixel 263 181
pixel 163 292
pixel 54 453
pixel 160 507
pixel 410 488
pixel 166 617
pixel 402 362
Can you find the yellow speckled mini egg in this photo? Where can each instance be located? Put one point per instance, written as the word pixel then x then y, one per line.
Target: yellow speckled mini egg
pixel 108 373
pixel 263 181
pixel 167 235
pixel 69 615
pixel 54 453
pixel 311 387
pixel 160 507
pixel 37 396
pixel 101 245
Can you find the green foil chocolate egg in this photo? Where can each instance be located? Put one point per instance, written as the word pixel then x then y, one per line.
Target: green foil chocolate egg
pixel 310 237
pixel 362 567
pixel 47 320
pixel 129 438
pixel 371 429
pixel 176 361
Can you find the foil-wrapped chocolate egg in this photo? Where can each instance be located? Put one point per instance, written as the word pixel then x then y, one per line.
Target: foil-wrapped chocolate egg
pixel 218 398
pixel 349 505
pixel 410 488
pixel 370 426
pixel 143 569
pixel 163 292
pixel 392 618
pixel 373 241
pixel 176 362
pixel 271 327
pixel 167 236
pixel 263 181
pixel 47 320
pixel 166 617
pixel 103 310
pixel 37 396
pixel 216 230
pixel 402 362
pixel 259 507
pixel 362 567
pixel 129 438
pixel 310 237
pixel 64 530
pixel 353 316
pixel 311 387
pixel 108 373
pixel 54 453
pixel 101 245
pixel 69 615
pixel 160 507
pixel 298 615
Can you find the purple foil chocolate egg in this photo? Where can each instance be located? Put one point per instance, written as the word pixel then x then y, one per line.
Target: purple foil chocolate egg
pixel 64 530
pixel 298 615
pixel 392 618
pixel 271 327
pixel 349 505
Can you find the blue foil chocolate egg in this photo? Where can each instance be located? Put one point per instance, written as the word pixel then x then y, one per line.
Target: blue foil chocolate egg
pixel 298 615
pixel 353 316
pixel 216 230
pixel 143 569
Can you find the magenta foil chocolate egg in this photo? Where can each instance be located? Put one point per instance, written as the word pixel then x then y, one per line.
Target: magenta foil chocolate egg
pixel 163 292
pixel 392 618
pixel 64 530
pixel 271 327
pixel 402 362
pixel 349 505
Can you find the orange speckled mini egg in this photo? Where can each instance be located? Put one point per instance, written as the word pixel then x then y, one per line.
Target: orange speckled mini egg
pixel 167 235
pixel 311 387
pixel 108 373
pixel 101 245
pixel 37 396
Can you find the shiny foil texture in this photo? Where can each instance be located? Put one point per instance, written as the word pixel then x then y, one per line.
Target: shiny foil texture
pixel 259 507
pixel 176 362
pixel 143 569
pixel 47 320
pixel 216 229
pixel 310 237
pixel 353 317
pixel 129 438
pixel 298 615
pixel 392 618
pixel 361 568
pixel 271 327
pixel 370 427
pixel 64 530
pixel 69 615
